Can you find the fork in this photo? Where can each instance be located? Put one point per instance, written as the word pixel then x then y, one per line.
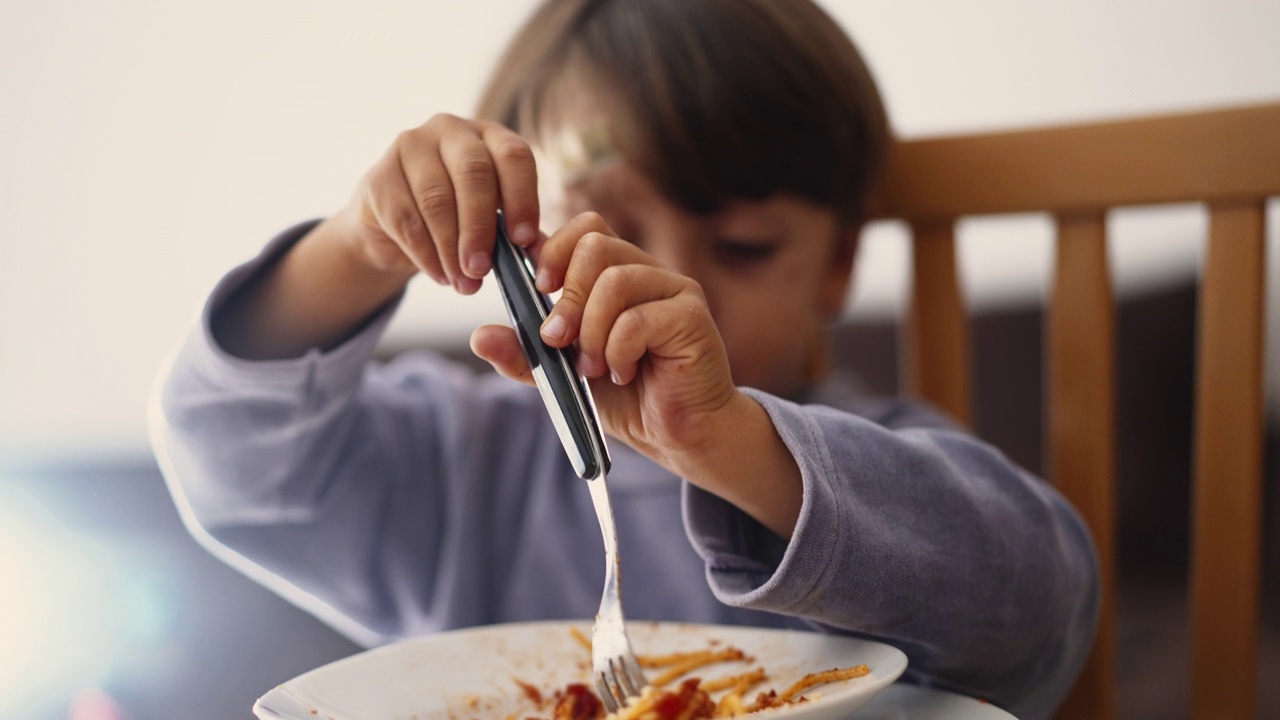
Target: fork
pixel 573 413
pixel 614 666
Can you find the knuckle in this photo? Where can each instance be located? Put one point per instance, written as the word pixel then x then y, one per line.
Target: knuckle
pixel 408 226
pixel 514 151
pixel 435 199
pixel 593 244
pixel 572 295
pixel 404 138
pixel 440 120
pixel 592 219
pixel 617 277
pixel 694 288
pixel 429 133
pixel 474 170
pixel 408 142
pixel 631 322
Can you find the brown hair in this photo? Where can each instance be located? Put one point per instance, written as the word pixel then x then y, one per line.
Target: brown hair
pixel 717 99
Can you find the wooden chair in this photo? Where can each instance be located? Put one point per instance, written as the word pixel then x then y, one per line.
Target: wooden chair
pixel 1230 161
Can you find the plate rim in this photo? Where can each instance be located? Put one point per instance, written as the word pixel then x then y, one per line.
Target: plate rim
pixel 279 703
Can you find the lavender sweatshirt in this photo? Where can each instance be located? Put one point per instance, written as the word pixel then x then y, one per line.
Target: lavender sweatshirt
pixel 416 496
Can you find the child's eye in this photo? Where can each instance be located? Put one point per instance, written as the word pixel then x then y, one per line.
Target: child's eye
pixel 744 253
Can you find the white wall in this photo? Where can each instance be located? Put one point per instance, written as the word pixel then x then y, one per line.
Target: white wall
pixel 147 146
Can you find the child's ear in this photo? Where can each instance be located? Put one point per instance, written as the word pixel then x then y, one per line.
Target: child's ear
pixel 840 275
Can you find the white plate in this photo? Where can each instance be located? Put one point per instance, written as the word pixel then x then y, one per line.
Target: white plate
pixel 471 674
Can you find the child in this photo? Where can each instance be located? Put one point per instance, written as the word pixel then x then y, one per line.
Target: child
pixel 704 167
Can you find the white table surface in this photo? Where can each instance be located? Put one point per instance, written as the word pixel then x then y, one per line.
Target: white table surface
pixel 901 701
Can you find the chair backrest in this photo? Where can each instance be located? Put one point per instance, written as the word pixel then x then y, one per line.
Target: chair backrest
pixel 1230 161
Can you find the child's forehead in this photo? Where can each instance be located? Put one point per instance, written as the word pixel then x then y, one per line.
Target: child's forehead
pixel 575 136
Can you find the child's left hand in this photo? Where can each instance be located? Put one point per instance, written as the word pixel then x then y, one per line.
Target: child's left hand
pixel 645 337
pixel 658 369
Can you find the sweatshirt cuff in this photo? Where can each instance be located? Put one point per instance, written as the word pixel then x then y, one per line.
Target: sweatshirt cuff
pixel 742 557
pixel 337 367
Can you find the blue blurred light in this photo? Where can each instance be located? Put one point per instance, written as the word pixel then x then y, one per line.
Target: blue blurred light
pixel 61 609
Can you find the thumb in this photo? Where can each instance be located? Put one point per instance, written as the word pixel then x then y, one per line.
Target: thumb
pixel 498 346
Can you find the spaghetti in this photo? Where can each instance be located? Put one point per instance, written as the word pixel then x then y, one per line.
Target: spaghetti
pixel 691 698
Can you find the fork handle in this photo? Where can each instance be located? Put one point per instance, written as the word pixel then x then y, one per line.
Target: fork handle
pixel 564 391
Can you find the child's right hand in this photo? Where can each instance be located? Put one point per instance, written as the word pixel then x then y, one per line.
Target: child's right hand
pixel 431 202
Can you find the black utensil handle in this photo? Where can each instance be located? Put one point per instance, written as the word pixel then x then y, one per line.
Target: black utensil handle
pixel 563 390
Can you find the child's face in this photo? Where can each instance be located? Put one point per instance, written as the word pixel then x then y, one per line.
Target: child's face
pixel 773 271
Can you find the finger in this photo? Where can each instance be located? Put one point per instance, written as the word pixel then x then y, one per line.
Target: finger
pixel 588 255
pixel 517 181
pixel 535 250
pixel 475 184
pixel 433 193
pixel 497 345
pixel 560 247
pixel 665 328
pixel 618 289
pixel 388 196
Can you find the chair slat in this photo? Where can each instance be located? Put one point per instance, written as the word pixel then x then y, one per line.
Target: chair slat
pixel 1081 456
pixel 1228 159
pixel 936 360
pixel 1226 538
pixel 1192 157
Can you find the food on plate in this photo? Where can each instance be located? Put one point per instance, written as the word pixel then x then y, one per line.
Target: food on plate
pixel 691 698
pixel 576 702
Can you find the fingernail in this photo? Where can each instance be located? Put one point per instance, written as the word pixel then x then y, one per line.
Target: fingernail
pixel 613 375
pixel 524 234
pixel 554 328
pixel 466 285
pixel 478 264
pixel 543 280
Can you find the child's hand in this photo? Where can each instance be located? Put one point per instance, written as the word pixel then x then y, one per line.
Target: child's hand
pixel 644 335
pixel 660 373
pixel 431 202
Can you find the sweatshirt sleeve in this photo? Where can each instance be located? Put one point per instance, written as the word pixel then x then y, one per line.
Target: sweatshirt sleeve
pixel 337 481
pixel 920 535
